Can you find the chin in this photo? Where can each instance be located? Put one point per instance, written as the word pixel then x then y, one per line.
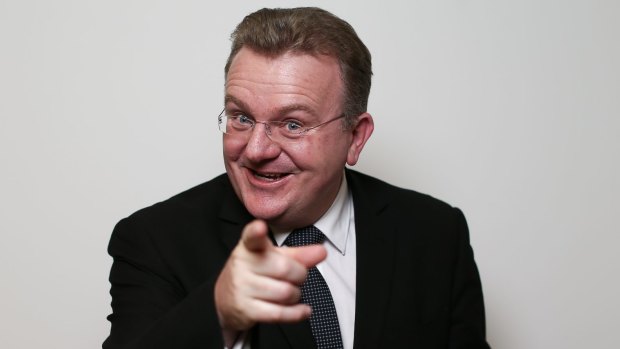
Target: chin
pixel 265 209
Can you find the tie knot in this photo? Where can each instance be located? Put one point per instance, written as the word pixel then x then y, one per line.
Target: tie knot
pixel 304 236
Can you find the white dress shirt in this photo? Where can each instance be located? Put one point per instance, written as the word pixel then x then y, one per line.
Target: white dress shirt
pixel 338 269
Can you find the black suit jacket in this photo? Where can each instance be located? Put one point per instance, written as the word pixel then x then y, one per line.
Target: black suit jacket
pixel 417 283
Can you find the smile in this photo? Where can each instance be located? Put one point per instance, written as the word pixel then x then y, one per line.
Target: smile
pixel 269 176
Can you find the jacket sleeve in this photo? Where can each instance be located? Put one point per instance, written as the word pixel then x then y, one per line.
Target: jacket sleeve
pixel 467 330
pixel 150 307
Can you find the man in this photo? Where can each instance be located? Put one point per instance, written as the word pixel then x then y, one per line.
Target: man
pixel 209 267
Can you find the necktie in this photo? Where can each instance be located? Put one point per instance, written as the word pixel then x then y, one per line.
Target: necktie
pixel 315 292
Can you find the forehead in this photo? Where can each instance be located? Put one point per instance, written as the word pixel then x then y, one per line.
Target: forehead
pixel 290 78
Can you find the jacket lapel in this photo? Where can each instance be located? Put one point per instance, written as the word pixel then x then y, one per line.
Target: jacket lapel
pixel 375 260
pixel 233 217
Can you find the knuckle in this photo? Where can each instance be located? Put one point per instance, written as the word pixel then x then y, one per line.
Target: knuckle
pixel 287 293
pixel 282 268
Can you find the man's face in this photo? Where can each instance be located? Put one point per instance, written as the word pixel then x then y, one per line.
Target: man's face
pixel 288 184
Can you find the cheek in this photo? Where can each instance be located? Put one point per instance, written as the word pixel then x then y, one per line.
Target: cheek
pixel 322 156
pixel 331 150
pixel 232 148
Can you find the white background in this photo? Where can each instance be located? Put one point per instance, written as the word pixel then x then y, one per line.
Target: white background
pixel 507 109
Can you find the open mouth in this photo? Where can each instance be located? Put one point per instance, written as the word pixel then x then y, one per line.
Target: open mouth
pixel 269 176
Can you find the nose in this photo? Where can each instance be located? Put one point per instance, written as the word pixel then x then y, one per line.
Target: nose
pixel 260 147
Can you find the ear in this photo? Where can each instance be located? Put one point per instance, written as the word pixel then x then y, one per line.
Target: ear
pixel 361 132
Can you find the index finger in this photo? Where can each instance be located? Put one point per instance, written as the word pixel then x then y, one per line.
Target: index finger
pixel 254 236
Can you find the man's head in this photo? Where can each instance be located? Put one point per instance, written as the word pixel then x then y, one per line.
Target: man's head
pixel 281 79
pixel 310 30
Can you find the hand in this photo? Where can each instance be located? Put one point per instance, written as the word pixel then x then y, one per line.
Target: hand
pixel 260 282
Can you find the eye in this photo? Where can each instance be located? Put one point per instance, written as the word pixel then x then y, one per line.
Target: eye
pixel 293 126
pixel 244 120
pixel 241 122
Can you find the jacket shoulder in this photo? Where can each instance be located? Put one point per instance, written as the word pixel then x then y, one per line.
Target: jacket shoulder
pixel 375 190
pixel 201 198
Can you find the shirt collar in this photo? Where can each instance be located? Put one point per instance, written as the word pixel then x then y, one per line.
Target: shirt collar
pixel 335 222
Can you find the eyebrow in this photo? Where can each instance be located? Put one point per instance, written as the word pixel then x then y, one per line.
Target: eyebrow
pixel 234 100
pixel 279 111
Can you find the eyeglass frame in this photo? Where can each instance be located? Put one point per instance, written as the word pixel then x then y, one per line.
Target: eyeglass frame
pixel 268 125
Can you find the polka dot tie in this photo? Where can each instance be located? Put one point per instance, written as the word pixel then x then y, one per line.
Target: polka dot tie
pixel 315 292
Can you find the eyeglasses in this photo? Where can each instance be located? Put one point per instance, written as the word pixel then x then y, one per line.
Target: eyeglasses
pixel 277 131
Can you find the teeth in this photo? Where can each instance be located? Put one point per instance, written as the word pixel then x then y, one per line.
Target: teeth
pixel 271 176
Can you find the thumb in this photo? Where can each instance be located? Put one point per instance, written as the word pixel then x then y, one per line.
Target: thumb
pixel 254 236
pixel 309 256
